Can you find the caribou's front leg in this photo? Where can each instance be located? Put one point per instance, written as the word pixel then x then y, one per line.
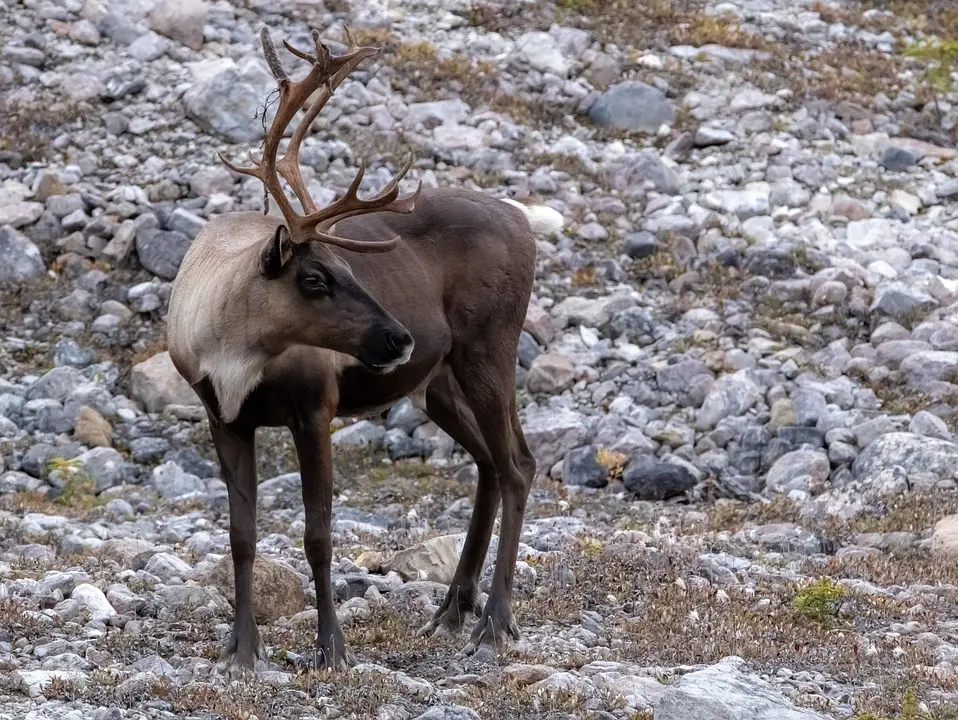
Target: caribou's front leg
pixel 311 436
pixel 237 454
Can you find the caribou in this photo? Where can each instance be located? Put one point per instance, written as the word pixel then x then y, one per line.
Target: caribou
pixel 341 311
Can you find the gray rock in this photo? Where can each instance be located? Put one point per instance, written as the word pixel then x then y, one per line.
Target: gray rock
pixel 930 365
pixel 912 453
pixel 528 349
pixel 362 433
pixel 104 465
pixel 634 170
pixel 93 599
pixel 550 374
pixel 171 481
pixel 707 136
pixel 20 55
pixel 581 467
pixel 899 159
pixel 632 106
pixel 167 566
pixel 212 180
pixel 677 377
pixel 744 203
pixel 18 214
pixel 433 114
pixel 56 384
pixel 550 433
pixel 180 20
pixel 161 251
pixel 229 102
pixel 19 258
pixel 803 470
pixel 542 52
pixel 156 383
pixel 148 449
pixel 892 352
pixel 448 712
pixel 947 190
pixel 867 432
pixel 68 352
pixel 929 425
pixel 640 245
pixel 809 406
pixel 730 395
pixel 789 193
pixel 405 416
pixel 784 537
pixel 148 47
pixel 649 479
pixel 751 99
pixel 724 692
pixel 904 303
pixel 185 222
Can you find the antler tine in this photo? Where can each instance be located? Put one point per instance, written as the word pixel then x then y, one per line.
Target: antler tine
pixel 349 205
pixel 272 59
pixel 330 71
pixel 326 74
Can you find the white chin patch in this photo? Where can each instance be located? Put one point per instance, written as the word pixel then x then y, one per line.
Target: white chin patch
pixel 401 361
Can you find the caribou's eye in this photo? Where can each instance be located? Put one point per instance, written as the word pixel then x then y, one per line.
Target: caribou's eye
pixel 315 284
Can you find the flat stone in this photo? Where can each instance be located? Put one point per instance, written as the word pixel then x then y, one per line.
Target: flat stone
pixel 724 692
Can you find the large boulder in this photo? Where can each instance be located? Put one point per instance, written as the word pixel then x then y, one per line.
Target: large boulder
pixel 156 383
pixel 19 258
pixel 912 453
pixel 277 589
pixel 227 97
pixel 723 692
pixel 180 20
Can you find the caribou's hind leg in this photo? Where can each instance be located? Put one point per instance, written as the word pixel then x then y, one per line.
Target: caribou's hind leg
pixel 488 384
pixel 446 406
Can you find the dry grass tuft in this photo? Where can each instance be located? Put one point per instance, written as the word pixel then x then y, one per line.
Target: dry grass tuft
pixel 30 126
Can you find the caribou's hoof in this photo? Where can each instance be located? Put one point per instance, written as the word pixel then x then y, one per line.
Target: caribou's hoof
pixel 330 654
pixel 458 606
pixel 240 663
pixel 490 636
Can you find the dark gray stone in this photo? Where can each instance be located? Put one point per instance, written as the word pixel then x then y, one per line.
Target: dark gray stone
pixel 161 251
pixel 581 467
pixel 529 349
pixel 649 479
pixel 898 159
pixel 640 245
pixel 632 106
pixel 148 450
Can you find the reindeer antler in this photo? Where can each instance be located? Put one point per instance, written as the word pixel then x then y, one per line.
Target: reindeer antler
pixel 326 74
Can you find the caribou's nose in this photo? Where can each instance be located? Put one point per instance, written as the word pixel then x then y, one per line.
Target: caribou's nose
pixel 398 344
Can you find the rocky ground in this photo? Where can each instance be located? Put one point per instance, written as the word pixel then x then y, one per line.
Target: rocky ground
pixel 739 371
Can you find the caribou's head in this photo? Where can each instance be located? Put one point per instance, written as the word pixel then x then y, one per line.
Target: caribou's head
pixel 307 293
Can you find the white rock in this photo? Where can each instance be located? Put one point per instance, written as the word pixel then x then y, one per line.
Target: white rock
pixel 543 53
pixel 91 597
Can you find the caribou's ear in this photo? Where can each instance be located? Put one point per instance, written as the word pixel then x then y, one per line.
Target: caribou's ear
pixel 276 252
